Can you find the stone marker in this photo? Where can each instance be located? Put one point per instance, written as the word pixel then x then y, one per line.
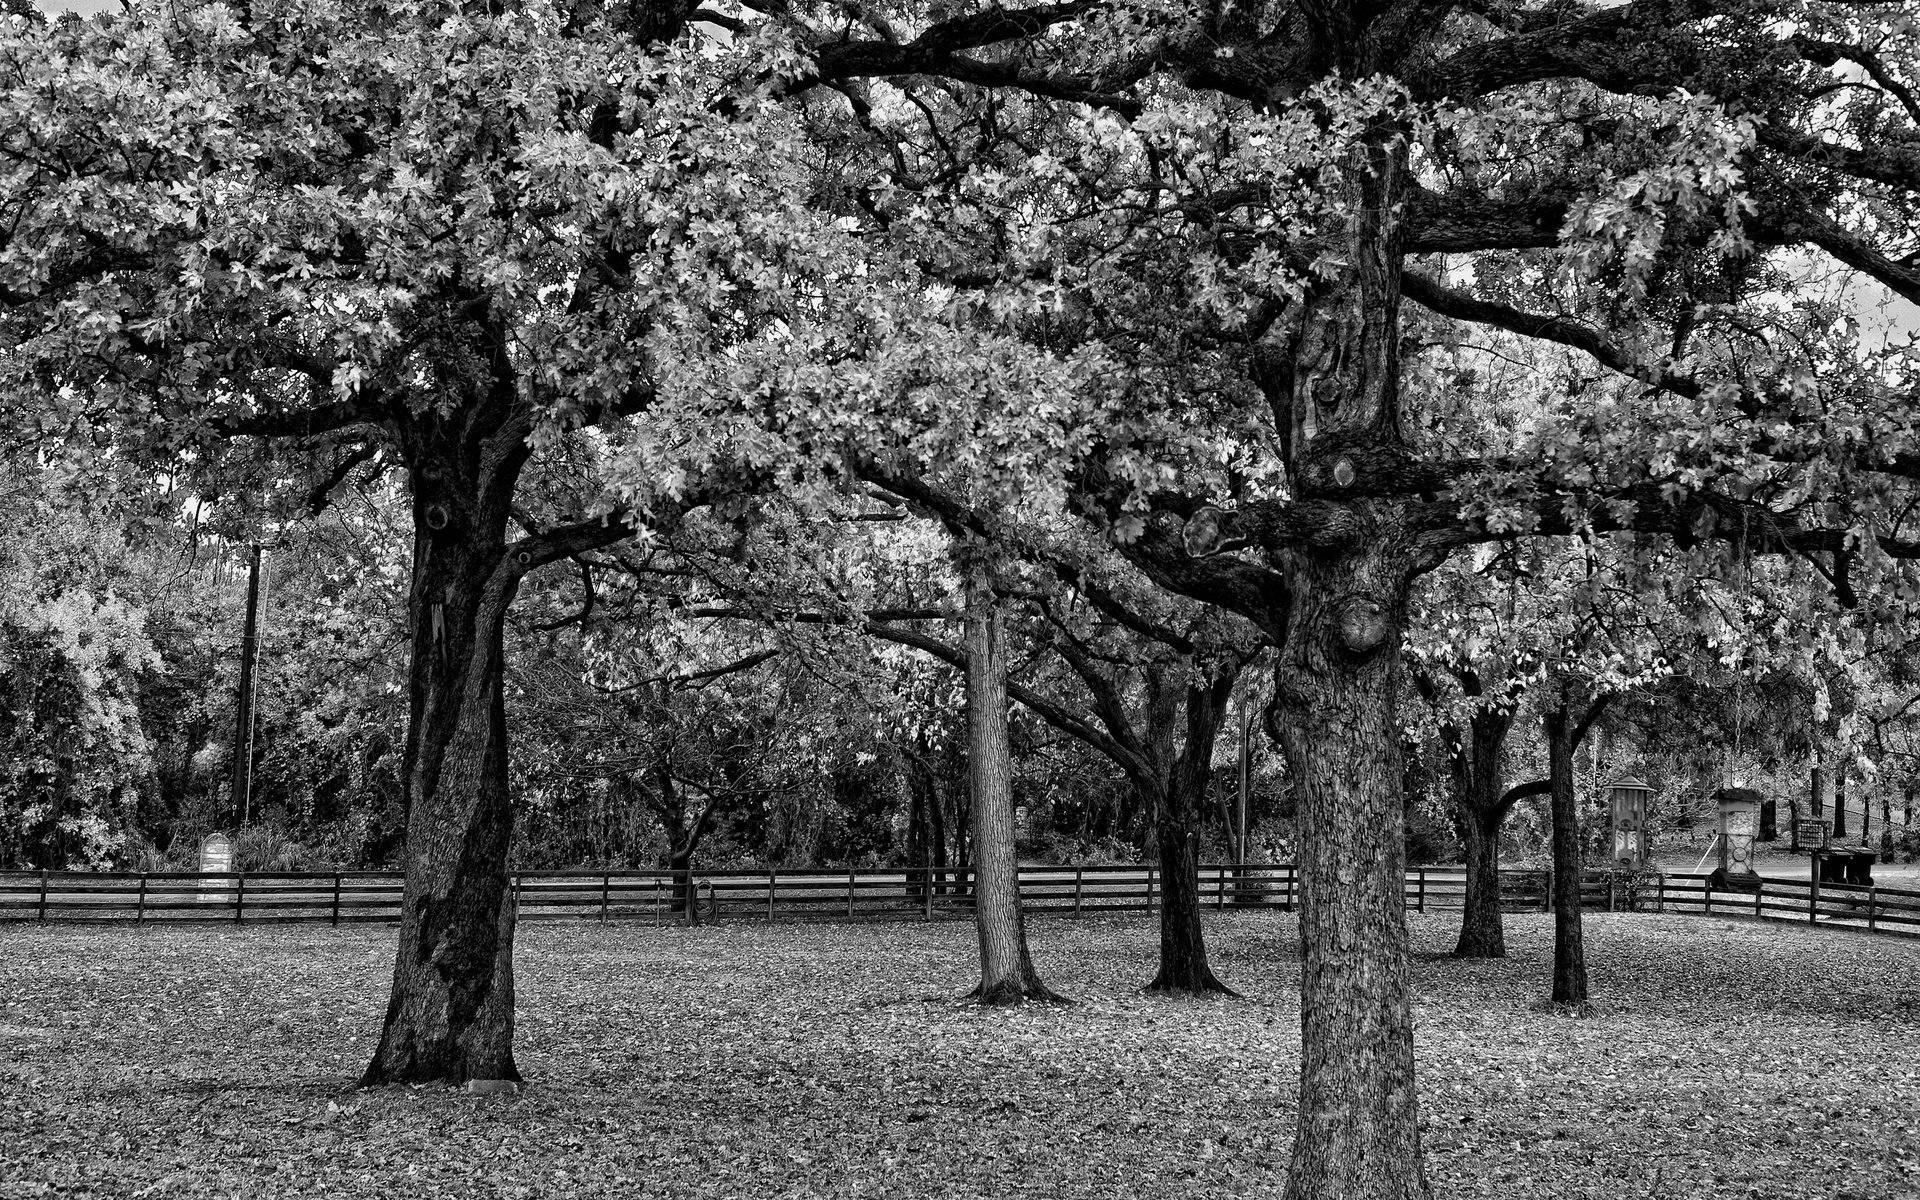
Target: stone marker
pixel 216 858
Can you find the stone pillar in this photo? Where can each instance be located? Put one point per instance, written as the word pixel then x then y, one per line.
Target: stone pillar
pixel 1739 827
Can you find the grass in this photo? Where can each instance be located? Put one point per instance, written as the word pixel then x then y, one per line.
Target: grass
pixel 1724 1059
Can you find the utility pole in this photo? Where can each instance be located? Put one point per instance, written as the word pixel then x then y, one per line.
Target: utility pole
pixel 243 709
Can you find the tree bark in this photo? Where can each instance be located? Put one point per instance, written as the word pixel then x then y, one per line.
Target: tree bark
pixel 243 706
pixel 1482 931
pixel 450 1017
pixel 1007 975
pixel 1358 1134
pixel 1183 946
pixel 1569 957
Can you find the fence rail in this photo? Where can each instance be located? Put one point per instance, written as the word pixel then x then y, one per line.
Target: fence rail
pixel 889 894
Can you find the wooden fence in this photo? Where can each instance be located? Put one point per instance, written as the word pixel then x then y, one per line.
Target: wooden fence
pixel 886 894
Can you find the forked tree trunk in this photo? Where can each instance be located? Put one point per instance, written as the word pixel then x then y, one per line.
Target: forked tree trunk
pixel 1358 1135
pixel 1006 968
pixel 1183 944
pixel 1569 955
pixel 450 1016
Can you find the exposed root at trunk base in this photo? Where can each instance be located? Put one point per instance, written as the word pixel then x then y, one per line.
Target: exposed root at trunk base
pixel 1207 985
pixel 1009 992
pixel 1479 947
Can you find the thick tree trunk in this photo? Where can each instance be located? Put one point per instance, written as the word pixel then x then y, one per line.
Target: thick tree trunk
pixel 1482 930
pixel 1569 956
pixel 450 1017
pixel 1358 1134
pixel 1006 969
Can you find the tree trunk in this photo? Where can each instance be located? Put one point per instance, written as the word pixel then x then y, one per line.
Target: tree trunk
pixel 1569 958
pixel 450 1017
pixel 1482 931
pixel 1006 969
pixel 1357 1136
pixel 1183 945
pixel 243 705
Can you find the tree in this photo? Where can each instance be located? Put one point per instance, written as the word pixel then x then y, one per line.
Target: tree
pixel 363 236
pixel 1007 975
pixel 1254 216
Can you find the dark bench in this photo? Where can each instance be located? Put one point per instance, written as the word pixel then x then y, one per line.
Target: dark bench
pixel 1845 865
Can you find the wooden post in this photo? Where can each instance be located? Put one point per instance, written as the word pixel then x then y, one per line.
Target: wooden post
pixel 140 913
pixel 336 899
pixel 1872 907
pixel 1421 898
pixel 1289 896
pixel 849 893
pixel 1813 896
pixel 43 894
pixel 926 893
pixel 606 886
pixel 1611 876
pixel 656 899
pixel 1078 873
pixel 772 883
pixel 1706 892
pixel 239 896
pixel 1757 893
pixel 1546 892
pixel 1149 891
pixel 1660 892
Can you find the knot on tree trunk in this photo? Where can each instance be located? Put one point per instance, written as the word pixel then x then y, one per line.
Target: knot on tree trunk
pixel 1363 624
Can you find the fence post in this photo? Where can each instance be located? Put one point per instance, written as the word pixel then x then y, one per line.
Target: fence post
pixel 1289 905
pixel 1421 899
pixel 239 897
pixel 43 894
pixel 336 898
pixel 1813 897
pixel 926 893
pixel 1079 872
pixel 656 899
pixel 1706 892
pixel 1660 892
pixel 140 914
pixel 606 886
pixel 1611 875
pixel 1872 907
pixel 692 892
pixel 850 891
pixel 1149 891
pixel 1546 891
pixel 773 882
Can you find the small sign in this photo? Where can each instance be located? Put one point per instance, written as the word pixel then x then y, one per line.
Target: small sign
pixel 216 858
pixel 1810 830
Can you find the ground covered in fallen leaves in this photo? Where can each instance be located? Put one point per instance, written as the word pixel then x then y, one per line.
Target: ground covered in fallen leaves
pixel 1725 1059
